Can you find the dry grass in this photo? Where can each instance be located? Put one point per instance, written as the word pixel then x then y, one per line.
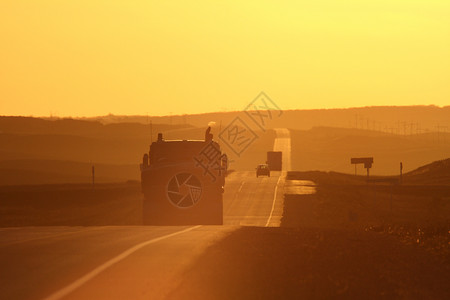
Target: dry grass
pixel 70 205
pixel 415 214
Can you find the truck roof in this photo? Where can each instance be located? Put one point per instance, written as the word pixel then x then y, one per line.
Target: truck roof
pixel 163 151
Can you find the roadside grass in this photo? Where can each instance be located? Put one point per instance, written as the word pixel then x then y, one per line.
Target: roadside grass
pixel 71 205
pixel 415 214
pixel 313 263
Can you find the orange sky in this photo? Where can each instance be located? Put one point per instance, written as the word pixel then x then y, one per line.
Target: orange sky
pixel 85 58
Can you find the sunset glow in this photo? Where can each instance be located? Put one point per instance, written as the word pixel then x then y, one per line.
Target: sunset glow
pixel 85 58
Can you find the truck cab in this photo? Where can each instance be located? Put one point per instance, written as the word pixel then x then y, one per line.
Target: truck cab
pixel 183 182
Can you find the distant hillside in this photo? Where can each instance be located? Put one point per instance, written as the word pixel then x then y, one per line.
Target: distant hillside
pixel 330 149
pixel 85 128
pixel 35 151
pixel 53 171
pixel 403 120
pixel 72 148
pixel 440 167
pixel 83 141
pixel 437 172
pixel 48 146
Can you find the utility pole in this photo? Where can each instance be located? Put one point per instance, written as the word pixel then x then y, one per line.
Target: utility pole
pixel 411 128
pixel 93 176
pixel 404 128
pixel 220 131
pixel 439 127
pixel 151 132
pixel 391 129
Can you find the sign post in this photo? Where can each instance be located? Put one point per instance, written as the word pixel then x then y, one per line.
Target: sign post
pixel 367 161
pixel 93 176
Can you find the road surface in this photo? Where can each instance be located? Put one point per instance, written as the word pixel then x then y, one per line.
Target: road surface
pixel 130 262
pixel 283 143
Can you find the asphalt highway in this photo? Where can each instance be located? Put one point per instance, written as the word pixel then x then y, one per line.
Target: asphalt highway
pixel 131 262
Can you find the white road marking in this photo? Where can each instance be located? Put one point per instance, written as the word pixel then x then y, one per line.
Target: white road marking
pixel 273 203
pixel 283 143
pixel 79 282
pixel 240 188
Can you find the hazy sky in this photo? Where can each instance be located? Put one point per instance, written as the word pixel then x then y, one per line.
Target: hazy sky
pixel 84 58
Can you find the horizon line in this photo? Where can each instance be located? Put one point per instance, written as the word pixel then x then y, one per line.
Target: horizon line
pixel 51 116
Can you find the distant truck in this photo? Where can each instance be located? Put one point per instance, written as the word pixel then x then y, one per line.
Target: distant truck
pixel 183 182
pixel 274 160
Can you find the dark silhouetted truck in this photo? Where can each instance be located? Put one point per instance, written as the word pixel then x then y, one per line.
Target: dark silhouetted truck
pixel 183 182
pixel 274 160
